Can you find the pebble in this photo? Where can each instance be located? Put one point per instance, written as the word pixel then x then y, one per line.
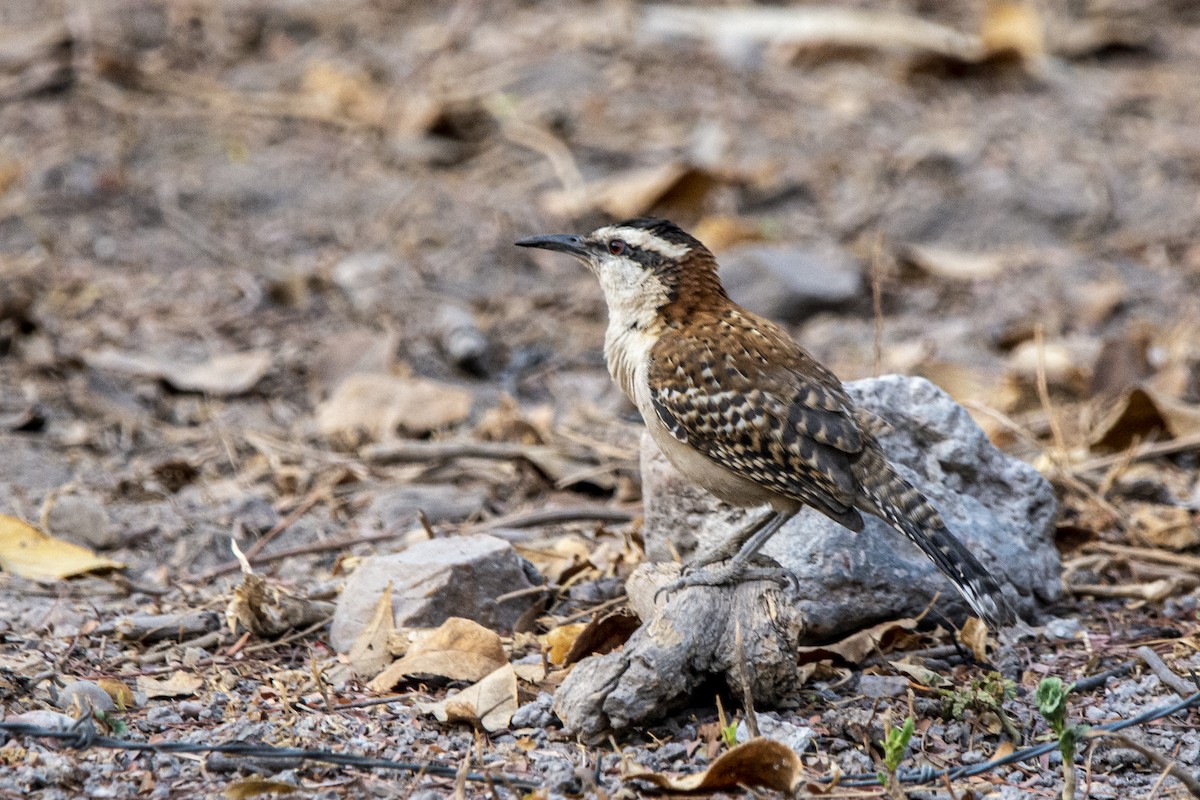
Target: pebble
pixel 85 696
pixel 82 519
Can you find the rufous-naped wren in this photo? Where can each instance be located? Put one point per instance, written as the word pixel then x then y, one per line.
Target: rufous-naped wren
pixel 742 410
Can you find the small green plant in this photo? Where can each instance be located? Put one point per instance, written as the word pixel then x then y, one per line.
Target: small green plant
pixel 981 695
pixel 895 743
pixel 729 734
pixel 1052 704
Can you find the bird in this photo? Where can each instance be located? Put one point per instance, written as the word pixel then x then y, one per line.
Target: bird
pixel 742 410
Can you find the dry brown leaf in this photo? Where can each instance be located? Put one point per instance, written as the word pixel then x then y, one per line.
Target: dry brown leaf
pixel 722 232
pixel 921 675
pixel 635 192
pixel 956 265
pixel 369 653
pixel 120 693
pixel 268 610
pixel 177 684
pixel 26 551
pixel 375 405
pixel 1014 28
pixel 256 787
pixel 221 375
pixel 758 762
pixel 974 635
pixel 562 558
pixel 603 635
pixel 857 646
pixel 1143 413
pixel 489 704
pixel 460 649
pixel 1067 364
pixel 1168 527
pixel 731 28
pixel 561 640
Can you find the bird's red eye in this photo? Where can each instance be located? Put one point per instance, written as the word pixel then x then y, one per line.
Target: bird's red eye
pixel 616 247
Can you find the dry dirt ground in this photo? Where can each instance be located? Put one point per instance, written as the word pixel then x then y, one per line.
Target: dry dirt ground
pixel 213 211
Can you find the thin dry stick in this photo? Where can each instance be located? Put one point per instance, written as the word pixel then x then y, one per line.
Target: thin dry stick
pixel 314 497
pixel 1142 452
pixel 1149 554
pixel 1165 674
pixel 747 678
pixel 1060 443
pixel 1159 760
pixel 877 301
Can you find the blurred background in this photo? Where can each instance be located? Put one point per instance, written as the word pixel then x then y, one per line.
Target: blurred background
pixel 242 242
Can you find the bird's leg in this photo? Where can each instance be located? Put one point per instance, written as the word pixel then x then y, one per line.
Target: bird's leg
pixel 731 546
pixel 740 549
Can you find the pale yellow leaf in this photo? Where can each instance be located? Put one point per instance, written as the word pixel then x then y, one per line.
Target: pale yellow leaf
pixel 26 551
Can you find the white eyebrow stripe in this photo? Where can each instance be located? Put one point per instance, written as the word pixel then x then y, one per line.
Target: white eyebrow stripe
pixel 645 240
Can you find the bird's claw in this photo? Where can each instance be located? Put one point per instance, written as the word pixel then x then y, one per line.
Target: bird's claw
pixel 732 573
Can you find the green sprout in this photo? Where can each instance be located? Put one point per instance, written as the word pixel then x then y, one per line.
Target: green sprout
pixel 981 695
pixel 895 743
pixel 729 734
pixel 1052 704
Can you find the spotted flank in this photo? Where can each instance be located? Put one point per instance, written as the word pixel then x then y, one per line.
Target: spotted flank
pixel 742 392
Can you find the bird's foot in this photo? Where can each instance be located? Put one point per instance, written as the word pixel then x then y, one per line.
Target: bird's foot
pixel 734 572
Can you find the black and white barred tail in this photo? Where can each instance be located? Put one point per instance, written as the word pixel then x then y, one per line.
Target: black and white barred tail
pixel 902 506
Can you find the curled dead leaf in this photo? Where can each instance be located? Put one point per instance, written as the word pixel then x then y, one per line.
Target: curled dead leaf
pixel 370 652
pixel 488 704
pixel 177 684
pixel 460 650
pixel 974 635
pixel 857 646
pixel 374 406
pixel 223 375
pixel 758 762
pixel 1169 527
pixel 675 184
pixel 1142 413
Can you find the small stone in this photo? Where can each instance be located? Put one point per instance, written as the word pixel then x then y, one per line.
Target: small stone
pixel 1062 628
pixel 798 737
pixel 790 283
pixel 972 757
pixel 163 715
pixel 880 686
pixel 440 502
pixel 457 576
pixel 533 715
pixel 82 519
pixel 85 696
pixel 190 709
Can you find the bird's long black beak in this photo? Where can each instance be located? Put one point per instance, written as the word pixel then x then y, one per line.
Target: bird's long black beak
pixel 562 242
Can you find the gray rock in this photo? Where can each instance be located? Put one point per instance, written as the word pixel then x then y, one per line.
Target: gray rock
pixel 999 507
pixel 82 519
pixel 533 715
pixel 789 283
pixel 440 502
pixel 458 576
pixel 772 726
pixel 85 696
pixel 880 686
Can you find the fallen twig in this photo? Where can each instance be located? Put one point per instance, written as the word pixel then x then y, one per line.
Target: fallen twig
pixel 1165 674
pixel 1162 762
